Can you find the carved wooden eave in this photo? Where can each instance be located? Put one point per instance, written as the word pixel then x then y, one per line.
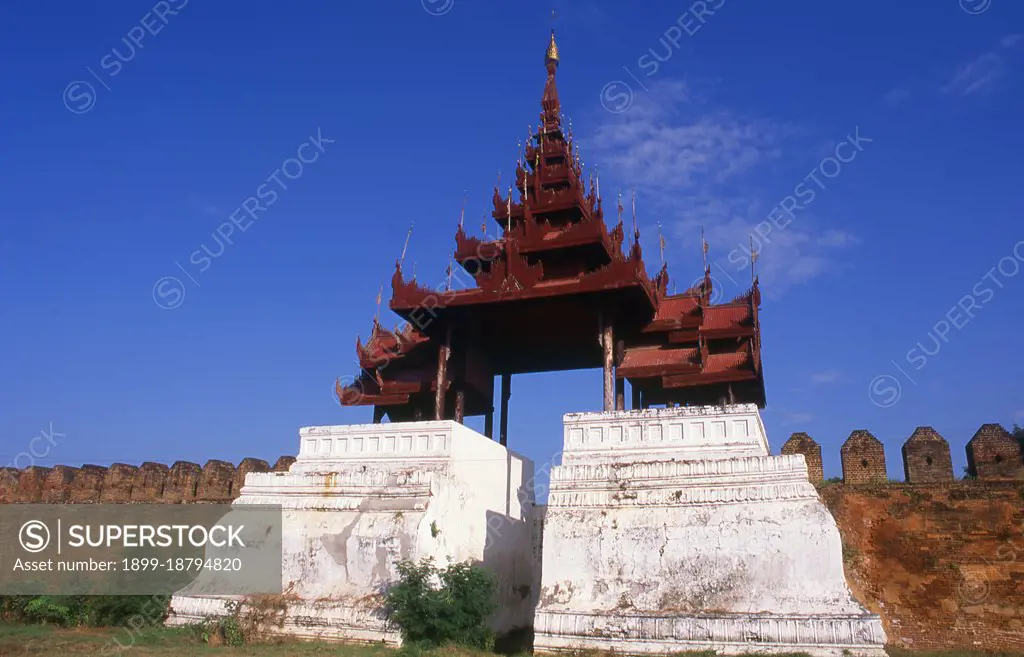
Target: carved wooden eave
pixel 683 356
pixel 409 382
pixel 365 390
pixel 692 380
pixel 358 394
pixel 554 165
pixel 549 172
pixel 501 212
pixel 636 253
pixel 547 201
pixel 384 346
pixel 548 238
pixel 733 320
pixel 393 385
pixel 705 288
pixel 561 200
pixel 685 318
pixel 402 289
pixel 687 370
pixel 510 274
pixel 616 237
pixel 646 362
pixel 473 253
pixel 408 296
pixel 660 283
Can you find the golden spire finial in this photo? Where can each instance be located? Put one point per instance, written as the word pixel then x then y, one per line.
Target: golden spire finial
pixel 552 53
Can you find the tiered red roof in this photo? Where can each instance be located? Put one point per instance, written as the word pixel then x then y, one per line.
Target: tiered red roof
pixel 555 282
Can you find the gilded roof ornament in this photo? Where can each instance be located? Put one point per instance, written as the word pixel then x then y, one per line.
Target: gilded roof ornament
pixel 552 53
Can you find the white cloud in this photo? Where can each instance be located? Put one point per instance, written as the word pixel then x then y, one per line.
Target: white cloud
pixel 896 97
pixel 658 144
pixel 697 169
pixel 790 256
pixel 838 238
pixel 976 76
pixel 792 419
pixel 825 376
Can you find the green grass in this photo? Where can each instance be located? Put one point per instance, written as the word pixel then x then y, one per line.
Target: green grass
pixel 48 641
pixel 154 642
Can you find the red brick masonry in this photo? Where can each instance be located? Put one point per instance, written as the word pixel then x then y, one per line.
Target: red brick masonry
pixel 217 481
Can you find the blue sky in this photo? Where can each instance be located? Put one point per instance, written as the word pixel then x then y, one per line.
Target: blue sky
pixel 714 119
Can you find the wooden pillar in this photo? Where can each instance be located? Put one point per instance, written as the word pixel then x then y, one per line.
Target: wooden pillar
pixel 460 405
pixel 489 423
pixel 442 375
pixel 378 414
pixel 634 392
pixel 506 392
pixel 609 364
pixel 620 394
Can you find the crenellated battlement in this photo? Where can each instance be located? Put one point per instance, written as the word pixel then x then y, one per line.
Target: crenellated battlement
pixel 150 483
pixel 992 454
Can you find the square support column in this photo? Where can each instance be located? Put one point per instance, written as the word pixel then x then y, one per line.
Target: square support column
pixel 460 405
pixel 607 343
pixel 506 392
pixel 442 375
pixel 489 423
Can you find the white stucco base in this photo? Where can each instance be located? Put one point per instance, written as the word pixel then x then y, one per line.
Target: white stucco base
pixel 359 498
pixel 673 529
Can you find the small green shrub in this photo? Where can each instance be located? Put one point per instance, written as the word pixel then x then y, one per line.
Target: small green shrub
pixel 434 606
pixel 66 611
pixel 200 631
pixel 12 607
pixel 231 631
pixel 114 610
pixel 89 610
pixel 226 631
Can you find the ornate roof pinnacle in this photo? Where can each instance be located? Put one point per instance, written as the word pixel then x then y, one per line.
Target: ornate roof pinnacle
pixel 551 56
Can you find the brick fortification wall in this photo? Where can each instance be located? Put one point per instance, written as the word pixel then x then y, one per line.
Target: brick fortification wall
pixel 154 483
pixel 863 458
pixel 940 560
pixel 801 443
pixel 926 457
pixel 992 454
pixel 941 563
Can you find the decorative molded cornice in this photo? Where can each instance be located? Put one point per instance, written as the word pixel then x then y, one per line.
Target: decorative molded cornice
pixel 862 634
pixel 364 621
pixel 738 470
pixel 674 483
pixel 683 496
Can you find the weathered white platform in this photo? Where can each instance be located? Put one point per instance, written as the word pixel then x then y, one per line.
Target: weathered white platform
pixel 673 529
pixel 359 498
